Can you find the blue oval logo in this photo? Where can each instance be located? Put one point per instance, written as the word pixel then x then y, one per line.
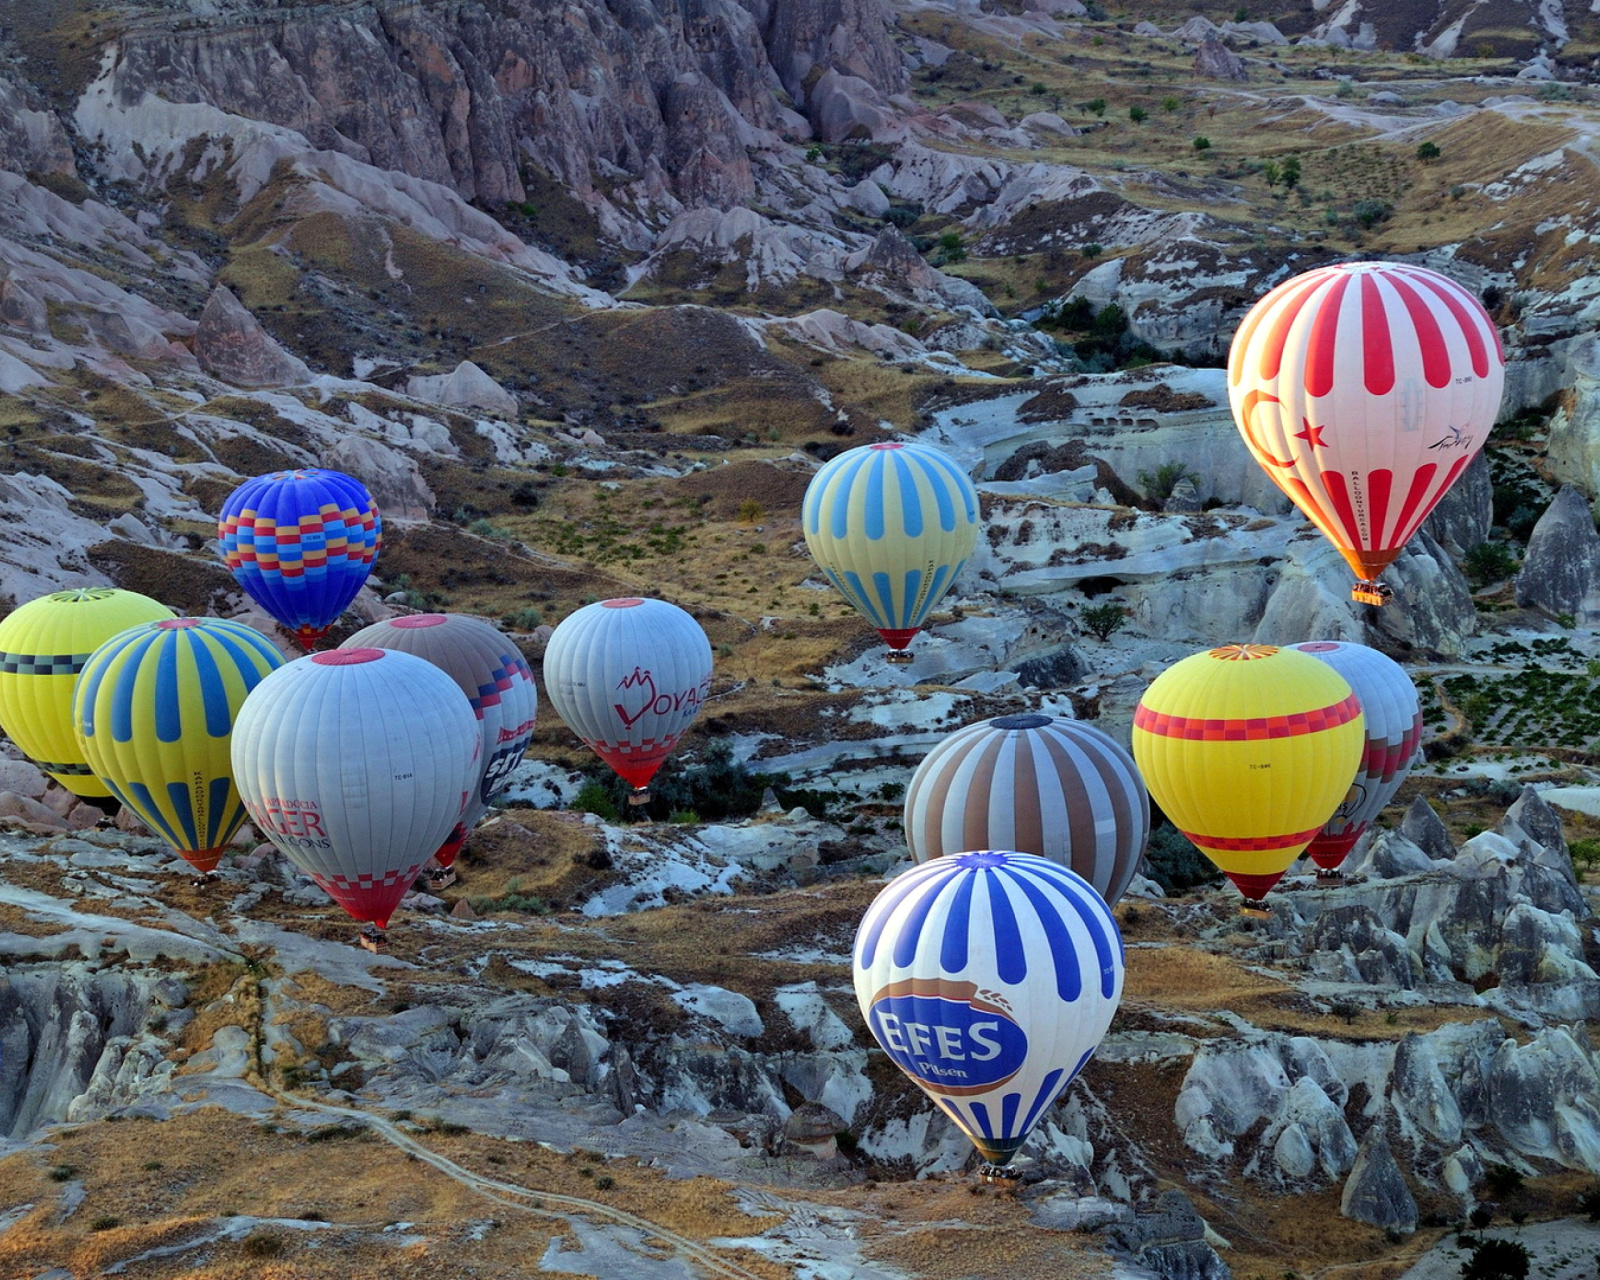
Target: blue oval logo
pixel 947 1035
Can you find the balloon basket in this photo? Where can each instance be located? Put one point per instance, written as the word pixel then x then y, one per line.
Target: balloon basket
pixel 374 939
pixel 999 1175
pixel 441 879
pixel 639 795
pixel 1255 910
pixel 1330 879
pixel 1373 593
pixel 899 657
pixel 204 880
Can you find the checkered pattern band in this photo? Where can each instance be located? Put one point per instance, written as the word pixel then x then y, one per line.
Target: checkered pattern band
pixel 42 664
pixel 511 669
pixel 70 770
pixel 1252 844
pixel 647 747
pixel 1255 729
pixel 337 885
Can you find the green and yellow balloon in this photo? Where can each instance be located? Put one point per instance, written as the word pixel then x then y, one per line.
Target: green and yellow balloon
pixel 43 646
pixel 891 525
pixel 154 712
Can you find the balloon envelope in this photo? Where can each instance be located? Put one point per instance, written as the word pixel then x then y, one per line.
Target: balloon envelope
pixel 989 978
pixel 491 672
pixel 1363 390
pixel 1392 715
pixel 43 646
pixel 356 763
pixel 1038 784
pixel 1248 749
pixel 891 526
pixel 628 677
pixel 154 710
pixel 301 543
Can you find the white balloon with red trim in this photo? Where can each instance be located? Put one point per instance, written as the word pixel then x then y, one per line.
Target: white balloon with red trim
pixel 1392 713
pixel 356 764
pixel 491 672
pixel 1363 390
pixel 628 676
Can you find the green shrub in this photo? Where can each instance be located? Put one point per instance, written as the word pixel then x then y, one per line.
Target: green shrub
pixel 105 1222
pixel 1104 620
pixel 1502 1181
pixel 1488 562
pixel 1370 212
pixel 1138 115
pixel 260 1244
pixel 63 1173
pixel 522 620
pixel 1496 1259
pixel 1202 143
pixel 1159 484
pixel 1428 151
pixel 593 798
pixel 1095 106
pixel 1174 863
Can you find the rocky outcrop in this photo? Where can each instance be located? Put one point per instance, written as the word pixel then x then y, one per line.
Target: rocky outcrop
pixel 1561 572
pixel 1424 828
pixel 1464 515
pixel 231 345
pixel 892 265
pixel 464 387
pixel 1168 1238
pixel 31 138
pixel 392 477
pixel 668 107
pixel 1376 1191
pixel 1216 61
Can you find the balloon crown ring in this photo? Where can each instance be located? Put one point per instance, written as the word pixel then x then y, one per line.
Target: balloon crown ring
pixel 1242 652
pixel 412 621
pixel 347 657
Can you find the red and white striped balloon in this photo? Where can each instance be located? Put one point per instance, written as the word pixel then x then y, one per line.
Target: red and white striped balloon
pixel 1363 390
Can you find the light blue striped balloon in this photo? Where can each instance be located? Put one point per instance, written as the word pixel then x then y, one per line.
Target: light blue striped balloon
pixel 989 978
pixel 891 526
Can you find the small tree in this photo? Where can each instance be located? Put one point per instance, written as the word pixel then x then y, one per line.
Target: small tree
pixel 1090 251
pixel 1271 173
pixel 1159 484
pixel 1103 621
pixel 1290 172
pixel 1137 114
pixel 1095 106
pixel 951 249
pixel 751 512
pixel 1169 104
pixel 1371 212
pixel 1039 89
pixel 1488 562
pixel 1496 1259
pixel 1428 151
pixel 1202 143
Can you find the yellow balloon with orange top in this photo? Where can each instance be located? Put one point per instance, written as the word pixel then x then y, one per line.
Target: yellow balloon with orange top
pixel 1249 749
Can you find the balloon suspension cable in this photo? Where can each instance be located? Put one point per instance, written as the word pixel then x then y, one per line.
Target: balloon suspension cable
pixel 639 795
pixel 1003 1175
pixel 900 657
pixel 374 939
pixel 1373 593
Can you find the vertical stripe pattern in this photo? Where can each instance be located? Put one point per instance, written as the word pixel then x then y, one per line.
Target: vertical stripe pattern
pixel 1393 718
pixel 989 977
pixel 1364 389
pixel 1038 784
pixel 494 677
pixel 891 526
pixel 357 763
pixel 301 544
pixel 628 676
pixel 44 644
pixel 154 711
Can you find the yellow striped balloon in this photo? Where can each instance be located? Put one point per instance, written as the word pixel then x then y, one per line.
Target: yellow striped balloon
pixel 1249 749
pixel 43 646
pixel 154 711
pixel 891 525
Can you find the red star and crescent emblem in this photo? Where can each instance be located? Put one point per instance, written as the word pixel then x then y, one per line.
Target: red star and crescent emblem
pixel 1312 435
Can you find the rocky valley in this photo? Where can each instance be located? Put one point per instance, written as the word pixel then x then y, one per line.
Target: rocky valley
pixel 585 293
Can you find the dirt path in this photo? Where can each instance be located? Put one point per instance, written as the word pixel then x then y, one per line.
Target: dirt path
pixel 511 1196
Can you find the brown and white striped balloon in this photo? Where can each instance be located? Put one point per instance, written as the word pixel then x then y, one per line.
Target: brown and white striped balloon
pixel 1038 784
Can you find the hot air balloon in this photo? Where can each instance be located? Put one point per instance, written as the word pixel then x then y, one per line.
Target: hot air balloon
pixel 154 710
pixel 1039 784
pixel 1393 718
pixel 357 764
pixel 301 543
pixel 891 525
pixel 491 671
pixel 628 677
pixel 989 978
pixel 43 646
pixel 1363 390
pixel 1248 749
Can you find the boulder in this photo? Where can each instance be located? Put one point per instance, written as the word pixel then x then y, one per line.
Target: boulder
pixel 392 477
pixel 1046 123
pixel 30 812
pixel 465 387
pixel 19 308
pixel 1216 61
pixel 1376 1190
pixel 1561 572
pixel 812 1127
pixel 845 108
pixel 231 345
pixel 1388 856
pixel 735 1013
pixel 23 778
pixel 1424 828
pixel 867 197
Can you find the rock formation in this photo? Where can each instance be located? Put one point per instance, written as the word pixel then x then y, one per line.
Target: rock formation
pixel 1561 573
pixel 465 387
pixel 1218 62
pixel 231 345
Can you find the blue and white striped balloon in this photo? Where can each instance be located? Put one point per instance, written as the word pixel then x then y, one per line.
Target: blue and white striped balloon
pixel 989 978
pixel 891 526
